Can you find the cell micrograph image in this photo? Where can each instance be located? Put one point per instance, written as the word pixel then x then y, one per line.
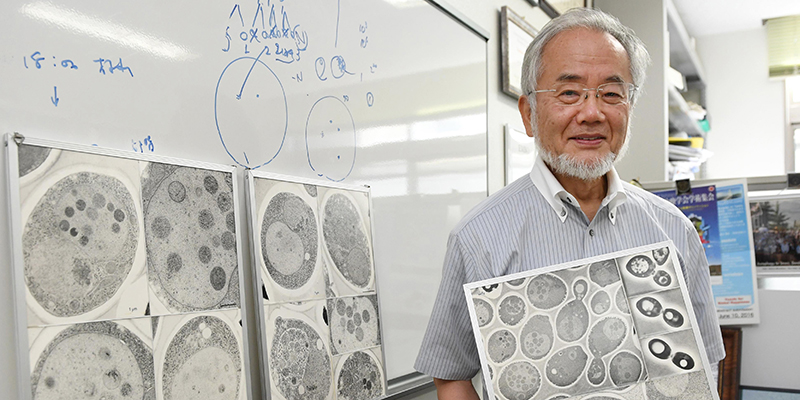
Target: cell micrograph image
pixel 670 354
pixel 512 310
pixel 519 380
pixel 502 344
pixel 190 228
pixel 546 291
pixel 648 272
pixel 625 368
pixel 572 320
pixel 632 392
pixel 203 360
pixel 536 337
pixel 79 244
pixel 483 311
pixel 94 360
pixel 659 312
pixel 31 158
pixel 299 360
pixel 566 366
pixel 347 240
pixel 360 376
pixel 354 323
pixel 691 386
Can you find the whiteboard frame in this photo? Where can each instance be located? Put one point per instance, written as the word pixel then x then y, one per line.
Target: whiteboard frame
pixel 12 142
pixel 263 357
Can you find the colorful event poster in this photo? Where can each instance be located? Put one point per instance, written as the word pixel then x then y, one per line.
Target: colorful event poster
pixel 776 233
pixel 736 297
pixel 700 206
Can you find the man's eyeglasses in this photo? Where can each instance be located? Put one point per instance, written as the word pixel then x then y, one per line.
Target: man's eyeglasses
pixel 573 94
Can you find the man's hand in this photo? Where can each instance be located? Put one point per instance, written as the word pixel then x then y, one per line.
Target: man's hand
pixel 455 390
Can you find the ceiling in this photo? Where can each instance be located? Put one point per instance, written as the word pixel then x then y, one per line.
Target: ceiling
pixel 712 17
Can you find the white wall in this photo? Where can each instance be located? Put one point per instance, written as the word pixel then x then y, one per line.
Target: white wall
pixel 746 108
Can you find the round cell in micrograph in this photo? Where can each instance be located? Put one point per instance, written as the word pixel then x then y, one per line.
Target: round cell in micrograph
pixel 546 291
pixel 659 348
pixel 536 337
pixel 289 240
pixel 606 336
pixel 572 321
pixel 346 240
pixel 649 306
pixel 501 345
pixel 604 273
pixel 516 282
pixel 31 157
pixel 596 373
pixel 177 191
pixel 354 324
pixel 661 255
pixel 641 266
pixel 621 301
pixel 673 317
pixel 566 366
pixel 299 361
pixel 693 385
pixel 483 311
pixel 662 278
pixel 511 310
pixel 360 378
pixel 625 368
pixel 683 361
pixel 600 302
pixel 519 380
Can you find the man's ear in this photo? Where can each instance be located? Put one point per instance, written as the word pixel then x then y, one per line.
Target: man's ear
pixel 525 112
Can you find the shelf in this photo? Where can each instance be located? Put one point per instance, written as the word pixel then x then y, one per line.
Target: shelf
pixel 682 55
pixel 679 118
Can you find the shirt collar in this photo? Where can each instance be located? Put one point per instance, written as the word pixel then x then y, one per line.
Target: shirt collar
pixel 556 195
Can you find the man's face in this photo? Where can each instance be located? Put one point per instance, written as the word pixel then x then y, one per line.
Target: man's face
pixel 589 132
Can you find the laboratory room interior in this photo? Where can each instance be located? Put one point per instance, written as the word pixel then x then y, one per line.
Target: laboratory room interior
pixel 253 199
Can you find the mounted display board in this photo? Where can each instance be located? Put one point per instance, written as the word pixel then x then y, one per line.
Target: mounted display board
pixel 386 93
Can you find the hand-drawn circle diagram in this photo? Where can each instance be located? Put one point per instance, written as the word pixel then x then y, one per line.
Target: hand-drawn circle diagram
pixel 299 361
pixel 79 243
pixel 289 240
pixel 346 240
pixel 202 361
pixel 94 361
pixel 251 112
pixel 190 230
pixel 331 139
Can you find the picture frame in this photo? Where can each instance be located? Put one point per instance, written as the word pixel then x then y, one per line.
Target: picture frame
pixel 516 35
pixel 554 8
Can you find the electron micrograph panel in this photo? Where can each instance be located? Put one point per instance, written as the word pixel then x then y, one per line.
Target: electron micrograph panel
pixel 559 333
pixel 648 272
pixel 670 354
pixel 354 323
pixel 200 357
pixel 659 312
pixel 81 235
pixel 95 360
pixel 360 375
pixel 691 386
pixel 190 227
pixel 347 241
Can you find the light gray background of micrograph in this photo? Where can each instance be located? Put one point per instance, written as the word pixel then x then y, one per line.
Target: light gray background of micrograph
pixel 166 332
pixel 131 298
pixel 360 199
pixel 376 355
pixel 633 392
pixel 682 341
pixel 309 312
pixel 339 324
pixel 691 386
pixel 635 285
pixel 186 238
pixel 264 191
pixel 650 326
pixel 40 337
pixel 630 343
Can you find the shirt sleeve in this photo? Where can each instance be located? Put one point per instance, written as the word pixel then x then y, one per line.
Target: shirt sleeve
pixel 698 282
pixel 448 348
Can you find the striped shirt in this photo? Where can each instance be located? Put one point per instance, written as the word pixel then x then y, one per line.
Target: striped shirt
pixel 534 223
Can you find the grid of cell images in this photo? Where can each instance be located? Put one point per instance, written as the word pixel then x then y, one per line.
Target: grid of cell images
pixel 615 327
pixel 321 320
pixel 129 276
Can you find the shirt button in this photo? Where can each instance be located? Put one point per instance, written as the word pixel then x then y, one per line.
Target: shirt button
pixel 563 212
pixel 591 232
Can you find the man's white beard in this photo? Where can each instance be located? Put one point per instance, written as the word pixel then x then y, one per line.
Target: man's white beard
pixel 586 170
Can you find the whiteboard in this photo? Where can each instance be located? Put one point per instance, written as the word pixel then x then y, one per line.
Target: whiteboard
pixel 390 94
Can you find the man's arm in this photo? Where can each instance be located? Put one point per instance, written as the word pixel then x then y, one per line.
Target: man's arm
pixel 456 390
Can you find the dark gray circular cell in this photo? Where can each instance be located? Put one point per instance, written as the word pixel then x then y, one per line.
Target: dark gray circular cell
pixel 604 273
pixel 519 380
pixel 546 291
pixel 176 191
pixel 483 311
pixel 662 278
pixel 341 306
pixel 126 389
pixel 596 373
pixel 607 335
pixel 174 263
pixel 210 184
pixel 205 219
pixel 119 215
pixel 228 241
pixel 673 317
pixel 501 345
pixel 600 302
pixel 110 206
pixel 230 222
pixel 80 205
pixel 73 232
pixel 683 361
pixel 161 227
pixel 115 227
pixel 661 255
pixel 360 378
pixel 69 212
pixel 289 240
pixel 659 348
pixel 348 311
pixel 640 266
pixel 536 337
pixel 357 318
pixel 63 225
pixel 300 366
pixel 566 366
pixel 218 278
pixel 649 306
pixel 512 310
pixel 204 254
pixel 30 158
pixel 224 202
pixel 625 368
pixel 83 240
pixel 351 327
pixel 98 200
pixel 365 316
pixel 346 240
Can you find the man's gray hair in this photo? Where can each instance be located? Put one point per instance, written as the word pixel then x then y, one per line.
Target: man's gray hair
pixel 588 18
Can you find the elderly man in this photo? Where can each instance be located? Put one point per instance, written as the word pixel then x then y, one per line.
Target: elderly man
pixel 581 77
